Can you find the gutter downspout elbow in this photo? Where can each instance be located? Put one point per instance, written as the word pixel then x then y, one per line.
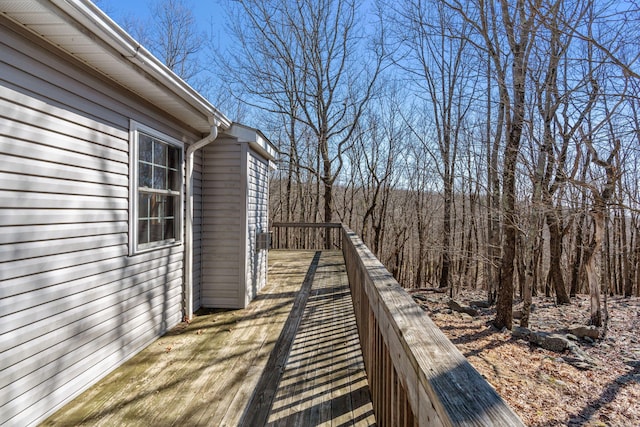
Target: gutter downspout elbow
pixel 188 261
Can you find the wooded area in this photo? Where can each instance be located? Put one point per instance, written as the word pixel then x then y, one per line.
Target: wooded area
pixel 488 145
pixel 496 150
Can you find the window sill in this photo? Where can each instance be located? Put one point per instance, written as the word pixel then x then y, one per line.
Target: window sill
pixel 154 247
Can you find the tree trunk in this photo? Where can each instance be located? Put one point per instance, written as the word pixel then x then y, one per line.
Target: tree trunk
pixel 590 269
pixel 576 267
pixel 521 38
pixel 537 259
pixel 421 245
pixel 555 255
pixel 493 208
pixel 526 279
pixel 446 231
pixel 608 275
pixel 626 259
pixel 601 198
pixel 327 181
pixel 504 306
pixel 636 257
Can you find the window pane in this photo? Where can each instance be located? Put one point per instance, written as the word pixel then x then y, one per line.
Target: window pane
pixel 143 205
pixel 169 228
pixel 143 231
pixel 159 178
pixel 144 175
pixel 159 153
pixel 145 146
pixel 157 203
pixel 155 231
pixel 170 206
pixel 174 168
pixel 162 201
pixel 174 157
pixel 174 180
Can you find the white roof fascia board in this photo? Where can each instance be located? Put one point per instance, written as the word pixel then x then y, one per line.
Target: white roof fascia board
pixel 112 43
pixel 254 138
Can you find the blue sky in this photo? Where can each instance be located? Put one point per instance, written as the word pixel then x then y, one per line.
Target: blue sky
pixel 208 13
pixel 210 19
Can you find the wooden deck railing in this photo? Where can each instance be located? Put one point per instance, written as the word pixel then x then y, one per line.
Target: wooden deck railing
pixel 417 377
pixel 301 235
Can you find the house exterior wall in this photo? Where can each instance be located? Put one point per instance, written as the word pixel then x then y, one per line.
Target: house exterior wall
pixel 257 222
pixel 235 210
pixel 222 224
pixel 197 228
pixel 73 304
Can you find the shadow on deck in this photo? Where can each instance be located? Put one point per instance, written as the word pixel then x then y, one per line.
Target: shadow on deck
pixel 291 358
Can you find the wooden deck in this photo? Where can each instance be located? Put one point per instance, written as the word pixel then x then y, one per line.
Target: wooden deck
pixel 291 358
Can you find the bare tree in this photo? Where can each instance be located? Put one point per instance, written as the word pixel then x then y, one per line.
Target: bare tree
pixel 494 195
pixel 173 36
pixel 308 55
pixel 517 23
pixel 379 148
pixel 601 197
pixel 434 43
pixel 422 180
pixel 561 113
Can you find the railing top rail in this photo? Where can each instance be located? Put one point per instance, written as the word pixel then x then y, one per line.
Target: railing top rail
pixel 308 224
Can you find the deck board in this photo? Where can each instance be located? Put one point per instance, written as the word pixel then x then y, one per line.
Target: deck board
pixel 212 371
pixel 324 381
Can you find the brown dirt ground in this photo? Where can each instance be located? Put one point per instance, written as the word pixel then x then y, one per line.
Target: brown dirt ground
pixel 543 388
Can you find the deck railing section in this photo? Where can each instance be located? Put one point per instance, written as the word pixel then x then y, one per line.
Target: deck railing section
pixel 416 375
pixel 301 235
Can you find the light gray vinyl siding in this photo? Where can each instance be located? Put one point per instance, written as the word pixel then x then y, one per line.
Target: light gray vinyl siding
pixel 235 211
pixel 73 304
pixel 257 221
pixel 197 229
pixel 222 225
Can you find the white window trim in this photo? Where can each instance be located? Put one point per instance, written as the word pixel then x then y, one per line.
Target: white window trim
pixel 135 129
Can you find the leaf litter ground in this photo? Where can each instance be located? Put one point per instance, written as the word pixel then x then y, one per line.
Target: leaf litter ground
pixel 541 387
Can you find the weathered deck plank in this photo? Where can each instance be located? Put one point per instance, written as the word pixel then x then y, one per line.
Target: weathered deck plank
pixel 206 373
pixel 324 381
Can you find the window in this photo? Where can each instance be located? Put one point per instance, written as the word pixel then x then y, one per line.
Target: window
pixel 156 193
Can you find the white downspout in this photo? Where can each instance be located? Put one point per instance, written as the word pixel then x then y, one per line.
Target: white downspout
pixel 188 261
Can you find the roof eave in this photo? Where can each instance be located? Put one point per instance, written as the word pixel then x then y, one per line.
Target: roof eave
pixel 138 69
pixel 254 138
